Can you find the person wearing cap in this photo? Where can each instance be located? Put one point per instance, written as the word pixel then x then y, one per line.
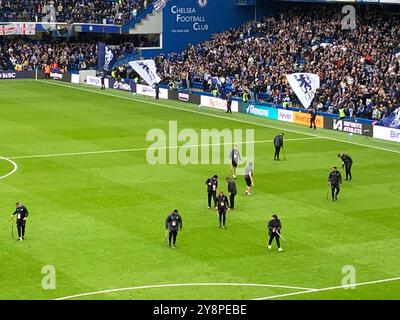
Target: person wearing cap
pixel 274 232
pixel 212 185
pixel 173 224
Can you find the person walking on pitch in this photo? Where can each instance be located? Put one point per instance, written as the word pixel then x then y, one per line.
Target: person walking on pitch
pixel 212 185
pixel 222 206
pixel 232 191
pixel 22 214
pixel 335 180
pixel 172 224
pixel 278 143
pixel 274 232
pixel 248 177
pixel 235 157
pixel 347 162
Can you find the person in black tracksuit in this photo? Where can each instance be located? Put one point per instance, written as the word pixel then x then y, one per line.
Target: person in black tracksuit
pixel 278 143
pixel 173 223
pixel 335 180
pixel 157 88
pixel 102 78
pixel 313 117
pixel 212 185
pixel 232 191
pixel 274 230
pixel 222 206
pixel 22 214
pixel 347 163
pixel 229 103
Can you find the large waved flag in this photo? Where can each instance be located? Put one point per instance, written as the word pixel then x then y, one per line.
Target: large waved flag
pixel 304 86
pixel 105 57
pixel 147 71
pixel 392 121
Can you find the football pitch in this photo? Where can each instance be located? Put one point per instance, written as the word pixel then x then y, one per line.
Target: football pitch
pixel 76 157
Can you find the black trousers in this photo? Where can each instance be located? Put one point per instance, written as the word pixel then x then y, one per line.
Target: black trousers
pixel 232 200
pixel 348 171
pixel 277 151
pixel 212 194
pixel 222 218
pixel 271 238
pixel 229 108
pixel 335 191
pixel 21 228
pixel 172 236
pixel 312 123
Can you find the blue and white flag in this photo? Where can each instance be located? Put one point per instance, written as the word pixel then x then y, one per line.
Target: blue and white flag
pixel 105 57
pixel 159 5
pixel 392 121
pixel 147 70
pixel 304 86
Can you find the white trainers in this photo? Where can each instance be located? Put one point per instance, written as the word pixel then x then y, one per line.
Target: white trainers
pixel 269 247
pixel 280 249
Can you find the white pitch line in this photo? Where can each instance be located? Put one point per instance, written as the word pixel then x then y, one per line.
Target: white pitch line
pixel 328 289
pixel 146 149
pixel 183 285
pixel 15 167
pixel 217 116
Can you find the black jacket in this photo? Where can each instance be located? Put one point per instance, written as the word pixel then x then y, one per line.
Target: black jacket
pixel 347 160
pixel 173 222
pixel 222 202
pixel 274 224
pixel 335 178
pixel 212 184
pixel 232 186
pixel 278 141
pixel 21 212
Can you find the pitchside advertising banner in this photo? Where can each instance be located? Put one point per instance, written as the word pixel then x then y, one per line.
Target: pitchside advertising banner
pixel 184 97
pixel 304 119
pixel 4 75
pixel 385 133
pixel 149 91
pixel 119 85
pixel 348 126
pixel 260 111
pixel 218 103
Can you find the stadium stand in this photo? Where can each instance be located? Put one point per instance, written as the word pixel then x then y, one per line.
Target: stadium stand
pixel 358 69
pixel 72 11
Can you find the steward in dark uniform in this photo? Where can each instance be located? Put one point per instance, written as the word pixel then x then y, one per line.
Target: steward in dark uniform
pixel 232 191
pixel 22 214
pixel 278 143
pixel 222 206
pixel 157 88
pixel 313 117
pixel 173 223
pixel 274 230
pixel 235 157
pixel 335 180
pixel 229 103
pixel 102 78
pixel 347 163
pixel 212 185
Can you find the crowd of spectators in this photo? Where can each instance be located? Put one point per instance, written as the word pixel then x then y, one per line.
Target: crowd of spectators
pixel 72 11
pixel 22 54
pixel 359 69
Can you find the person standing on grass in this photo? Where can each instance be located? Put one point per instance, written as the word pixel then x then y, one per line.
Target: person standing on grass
pixel 235 157
pixel 173 224
pixel 248 177
pixel 229 103
pixel 335 180
pixel 347 163
pixel 313 117
pixel 212 185
pixel 278 143
pixel 232 191
pixel 274 231
pixel 222 207
pixel 22 214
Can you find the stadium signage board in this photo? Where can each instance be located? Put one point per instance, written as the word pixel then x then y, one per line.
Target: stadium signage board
pixel 4 75
pixel 348 126
pixel 218 103
pixel 151 92
pixel 304 119
pixel 262 111
pixel 8 75
pixel 285 115
pixel 386 133
pixel 122 86
pixel 185 97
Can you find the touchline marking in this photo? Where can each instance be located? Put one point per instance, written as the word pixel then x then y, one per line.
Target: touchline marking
pixel 217 116
pixel 15 167
pixel 327 289
pixel 146 149
pixel 183 285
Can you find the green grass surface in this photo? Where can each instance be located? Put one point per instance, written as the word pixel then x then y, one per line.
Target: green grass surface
pixel 99 218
